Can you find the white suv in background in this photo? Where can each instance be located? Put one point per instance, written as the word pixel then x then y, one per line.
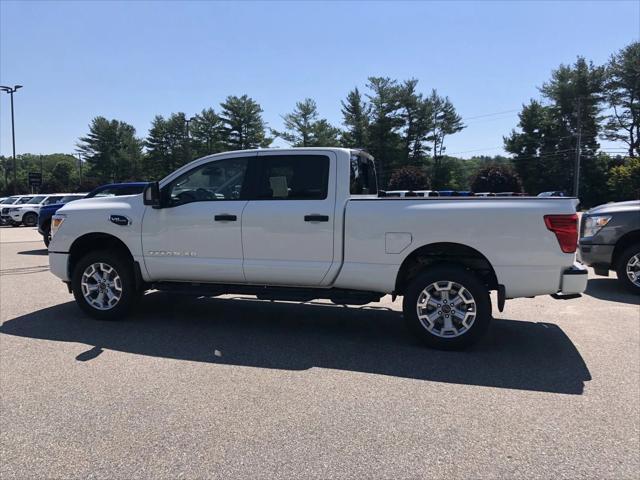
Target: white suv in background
pixel 27 213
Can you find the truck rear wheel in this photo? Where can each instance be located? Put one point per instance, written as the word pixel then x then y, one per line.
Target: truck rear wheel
pixel 103 285
pixel 448 308
pixel 628 268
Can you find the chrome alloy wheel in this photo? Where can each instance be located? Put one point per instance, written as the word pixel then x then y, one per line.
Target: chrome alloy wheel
pixel 446 309
pixel 101 286
pixel 633 269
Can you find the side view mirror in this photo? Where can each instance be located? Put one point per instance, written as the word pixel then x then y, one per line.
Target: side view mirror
pixel 151 194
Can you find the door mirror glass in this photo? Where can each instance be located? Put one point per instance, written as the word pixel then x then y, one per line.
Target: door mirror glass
pixel 151 194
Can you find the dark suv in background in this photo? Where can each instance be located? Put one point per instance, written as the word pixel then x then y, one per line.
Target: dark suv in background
pixel 110 190
pixel 610 240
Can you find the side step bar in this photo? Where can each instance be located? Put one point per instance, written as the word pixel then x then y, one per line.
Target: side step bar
pixel 290 294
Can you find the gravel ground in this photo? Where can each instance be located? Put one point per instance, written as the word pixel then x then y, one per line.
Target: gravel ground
pixel 239 388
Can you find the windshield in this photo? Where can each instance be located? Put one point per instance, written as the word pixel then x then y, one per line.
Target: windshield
pixel 70 198
pixel 116 191
pixel 35 200
pixel 23 200
pixel 9 200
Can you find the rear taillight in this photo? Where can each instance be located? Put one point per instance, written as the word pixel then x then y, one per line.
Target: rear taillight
pixel 566 229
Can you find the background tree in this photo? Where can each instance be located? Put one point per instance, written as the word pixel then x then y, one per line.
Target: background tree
pixel 624 180
pixel 446 121
pixel 304 129
pixel 418 120
pixel 167 145
pixel 243 124
pixel 545 147
pixel 111 150
pixel 384 125
pixel 409 178
pixel 355 112
pixel 207 133
pixel 622 92
pixel 496 178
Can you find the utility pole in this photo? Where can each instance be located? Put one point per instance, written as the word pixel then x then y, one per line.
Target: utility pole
pixel 576 168
pixel 11 91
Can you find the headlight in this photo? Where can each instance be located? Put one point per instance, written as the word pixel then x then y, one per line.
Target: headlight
pixel 56 221
pixel 592 225
pixel 14 210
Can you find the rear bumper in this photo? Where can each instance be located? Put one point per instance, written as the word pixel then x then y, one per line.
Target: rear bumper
pixel 58 264
pixel 574 280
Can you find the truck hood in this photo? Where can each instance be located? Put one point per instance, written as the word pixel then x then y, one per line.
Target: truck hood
pixel 108 204
pixel 615 207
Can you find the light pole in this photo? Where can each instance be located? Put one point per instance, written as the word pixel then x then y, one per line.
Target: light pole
pixel 187 121
pixel 11 91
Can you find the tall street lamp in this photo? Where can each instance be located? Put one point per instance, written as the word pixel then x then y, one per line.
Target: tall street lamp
pixel 11 91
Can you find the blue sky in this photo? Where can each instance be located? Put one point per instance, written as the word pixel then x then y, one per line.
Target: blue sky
pixel 134 60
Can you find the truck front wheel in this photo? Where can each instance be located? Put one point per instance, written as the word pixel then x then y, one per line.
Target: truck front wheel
pixel 103 285
pixel 628 268
pixel 448 308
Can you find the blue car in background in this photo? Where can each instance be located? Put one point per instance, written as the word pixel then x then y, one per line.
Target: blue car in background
pixel 109 190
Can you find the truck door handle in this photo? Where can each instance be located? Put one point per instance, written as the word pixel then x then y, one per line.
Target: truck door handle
pixel 316 218
pixel 225 218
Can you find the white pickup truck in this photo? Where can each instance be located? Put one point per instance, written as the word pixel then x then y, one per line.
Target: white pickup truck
pixel 302 224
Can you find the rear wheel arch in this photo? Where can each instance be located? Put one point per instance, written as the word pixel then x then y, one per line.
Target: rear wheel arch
pixel 445 254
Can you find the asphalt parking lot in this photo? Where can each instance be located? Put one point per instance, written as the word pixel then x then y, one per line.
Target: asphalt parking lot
pixel 239 388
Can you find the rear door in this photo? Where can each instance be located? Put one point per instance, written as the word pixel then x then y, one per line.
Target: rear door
pixel 287 226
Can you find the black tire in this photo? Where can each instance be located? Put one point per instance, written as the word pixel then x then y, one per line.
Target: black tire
pixel 462 277
pixel 124 268
pixel 46 236
pixel 30 219
pixel 621 268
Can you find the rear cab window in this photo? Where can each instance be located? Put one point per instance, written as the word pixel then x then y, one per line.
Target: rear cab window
pixel 363 179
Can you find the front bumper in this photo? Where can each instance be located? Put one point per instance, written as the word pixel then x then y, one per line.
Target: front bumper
pixel 58 264
pixel 574 280
pixel 597 256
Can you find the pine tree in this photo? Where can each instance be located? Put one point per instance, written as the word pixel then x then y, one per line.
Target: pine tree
pixel 303 129
pixel 243 124
pixel 622 91
pixel 355 113
pixel 111 150
pixel 207 133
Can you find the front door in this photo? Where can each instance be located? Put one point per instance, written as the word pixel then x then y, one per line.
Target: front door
pixel 196 236
pixel 287 226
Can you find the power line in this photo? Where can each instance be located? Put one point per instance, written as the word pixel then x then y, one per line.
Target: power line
pixel 490 114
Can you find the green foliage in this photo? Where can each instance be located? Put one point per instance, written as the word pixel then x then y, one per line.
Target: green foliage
pixel 207 133
pixel 167 146
pixel 60 173
pixel 624 180
pixel 409 178
pixel 304 129
pixel 622 91
pixel 242 123
pixel 545 146
pixel 496 178
pixel 111 150
pixel 355 112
